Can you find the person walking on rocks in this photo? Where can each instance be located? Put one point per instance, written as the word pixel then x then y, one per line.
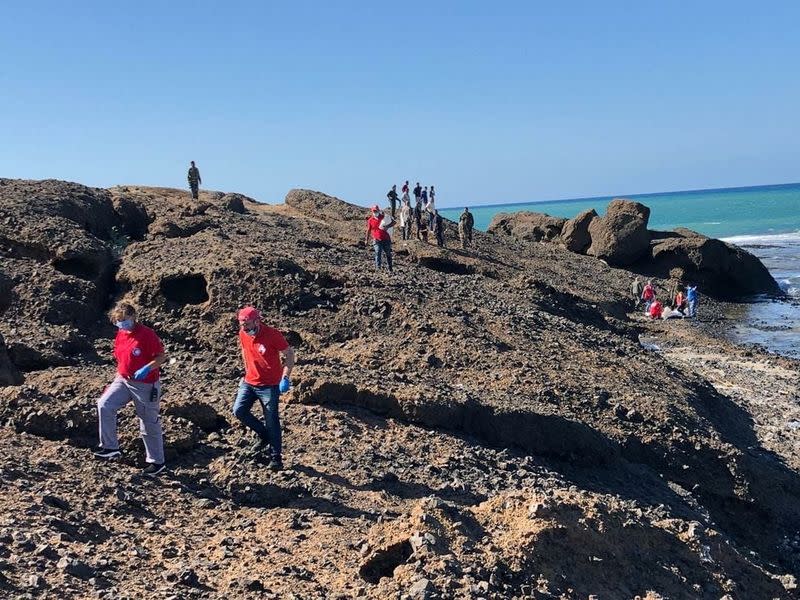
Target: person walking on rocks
pixel 381 240
pixel 392 195
pixel 265 379
pixel 438 228
pixel 139 354
pixel 194 180
pixel 465 224
pixel 636 291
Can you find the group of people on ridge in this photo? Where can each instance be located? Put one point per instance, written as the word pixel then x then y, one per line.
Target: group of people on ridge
pixel 424 215
pixel 681 301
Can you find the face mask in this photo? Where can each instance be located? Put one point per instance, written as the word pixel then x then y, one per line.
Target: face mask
pixel 125 325
pixel 251 332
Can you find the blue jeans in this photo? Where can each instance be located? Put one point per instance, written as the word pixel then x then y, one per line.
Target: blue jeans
pixel 385 247
pixel 270 428
pixel 692 308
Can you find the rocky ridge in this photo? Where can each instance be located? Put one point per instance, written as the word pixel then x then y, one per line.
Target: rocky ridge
pixel 481 423
pixel 621 238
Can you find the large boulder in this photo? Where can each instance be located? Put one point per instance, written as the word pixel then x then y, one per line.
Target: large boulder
pixel 721 269
pixel 620 237
pixel 529 226
pixel 575 233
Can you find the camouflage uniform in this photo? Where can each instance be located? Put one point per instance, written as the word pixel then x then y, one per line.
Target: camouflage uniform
pixel 194 180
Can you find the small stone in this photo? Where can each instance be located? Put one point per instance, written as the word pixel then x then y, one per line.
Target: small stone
pixel 421 589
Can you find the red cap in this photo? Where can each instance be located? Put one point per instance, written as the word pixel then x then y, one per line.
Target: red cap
pixel 248 313
pixel 376 207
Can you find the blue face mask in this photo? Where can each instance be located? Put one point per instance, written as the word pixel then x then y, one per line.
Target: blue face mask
pixel 125 325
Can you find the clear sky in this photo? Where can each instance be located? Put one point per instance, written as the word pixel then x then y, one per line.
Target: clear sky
pixel 489 101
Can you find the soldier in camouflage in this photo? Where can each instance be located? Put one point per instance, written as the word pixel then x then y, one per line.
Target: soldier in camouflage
pixel 194 180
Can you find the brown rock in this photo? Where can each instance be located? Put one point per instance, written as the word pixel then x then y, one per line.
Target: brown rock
pixel 529 226
pixel 620 237
pixel 575 233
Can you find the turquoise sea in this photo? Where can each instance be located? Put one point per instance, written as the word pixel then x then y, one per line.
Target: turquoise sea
pixel 765 220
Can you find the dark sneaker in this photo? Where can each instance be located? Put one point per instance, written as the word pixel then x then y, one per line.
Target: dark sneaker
pixel 153 469
pixel 259 446
pixel 106 453
pixel 275 464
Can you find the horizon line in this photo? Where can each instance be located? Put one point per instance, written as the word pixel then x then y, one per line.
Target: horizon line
pixel 639 195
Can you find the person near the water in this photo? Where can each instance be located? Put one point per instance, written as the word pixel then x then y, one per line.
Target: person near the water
pixel 465 224
pixel 424 196
pixel 139 354
pixel 432 194
pixel 404 190
pixel 680 301
pixel 418 210
pixel 648 295
pixel 636 292
pixel 392 196
pixel 417 193
pixel 265 379
pixel 655 309
pixel 194 180
pixel 691 300
pixel 438 228
pixel 381 240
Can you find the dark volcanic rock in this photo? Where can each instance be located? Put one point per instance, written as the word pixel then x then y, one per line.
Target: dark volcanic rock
pixel 575 233
pixel 620 237
pixel 9 375
pixel 713 264
pixel 529 226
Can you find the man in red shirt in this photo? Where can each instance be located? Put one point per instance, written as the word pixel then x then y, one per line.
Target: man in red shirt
pixel 265 378
pixel 139 355
pixel 381 240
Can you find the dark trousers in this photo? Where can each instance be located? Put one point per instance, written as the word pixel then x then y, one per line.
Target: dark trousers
pixel 195 190
pixel 270 428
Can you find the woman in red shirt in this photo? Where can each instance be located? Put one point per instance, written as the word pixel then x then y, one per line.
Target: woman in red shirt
pixel 139 354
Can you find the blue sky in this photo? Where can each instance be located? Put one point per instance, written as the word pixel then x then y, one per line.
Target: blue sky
pixel 489 101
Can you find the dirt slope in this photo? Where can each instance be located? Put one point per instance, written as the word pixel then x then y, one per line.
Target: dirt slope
pixel 479 423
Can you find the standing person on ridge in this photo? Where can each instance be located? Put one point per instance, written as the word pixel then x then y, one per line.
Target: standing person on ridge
pixel 431 208
pixel 438 228
pixel 418 216
pixel 432 194
pixel 405 218
pixel 404 189
pixel 381 241
pixel 636 291
pixel 139 355
pixel 465 224
pixel 392 195
pixel 265 378
pixel 194 180
pixel 417 192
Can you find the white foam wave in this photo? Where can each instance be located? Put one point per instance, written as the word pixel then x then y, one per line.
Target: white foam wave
pixel 765 239
pixel 713 223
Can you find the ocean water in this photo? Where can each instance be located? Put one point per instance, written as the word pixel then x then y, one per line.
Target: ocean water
pixel 765 220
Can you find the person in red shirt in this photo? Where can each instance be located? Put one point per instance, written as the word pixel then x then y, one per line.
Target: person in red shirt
pixel 139 354
pixel 655 309
pixel 381 240
pixel 265 378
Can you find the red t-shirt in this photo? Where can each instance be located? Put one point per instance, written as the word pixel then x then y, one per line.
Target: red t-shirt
pixel 134 349
pixel 404 188
pixel 655 310
pixel 262 361
pixel 374 228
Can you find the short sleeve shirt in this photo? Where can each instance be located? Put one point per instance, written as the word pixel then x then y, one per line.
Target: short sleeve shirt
pixel 134 349
pixel 261 354
pixel 374 228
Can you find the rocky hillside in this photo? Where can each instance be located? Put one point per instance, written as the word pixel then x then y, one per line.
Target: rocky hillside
pixel 481 423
